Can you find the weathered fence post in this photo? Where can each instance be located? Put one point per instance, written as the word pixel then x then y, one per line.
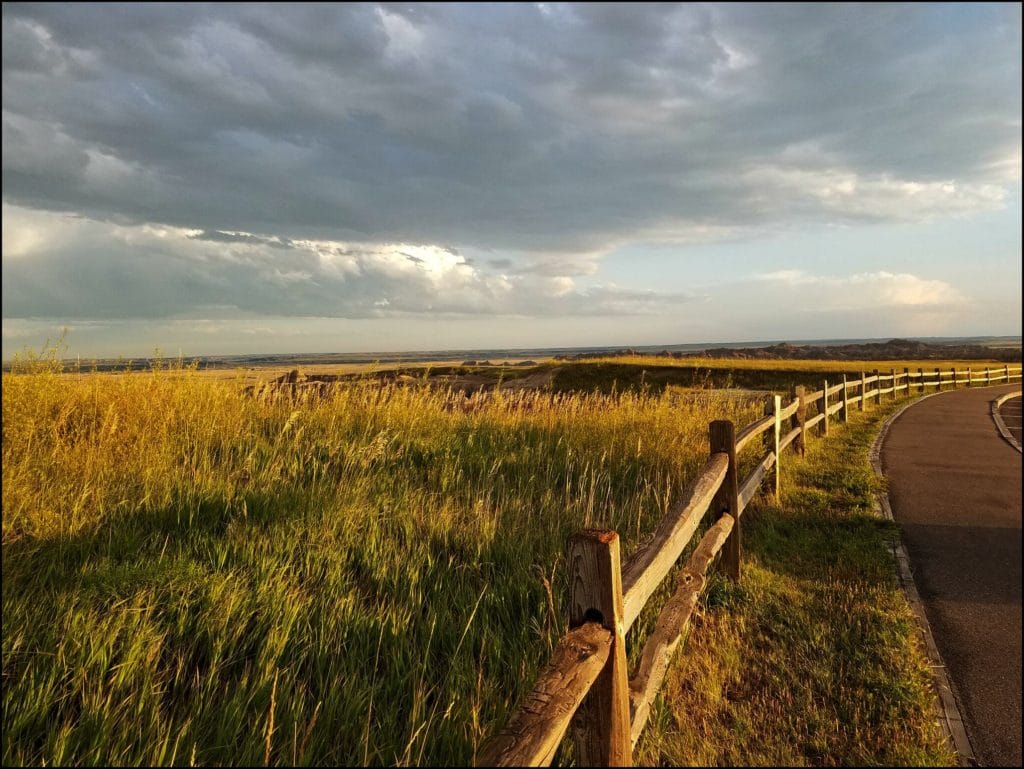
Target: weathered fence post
pixel 771 439
pixel 862 403
pixel 988 376
pixel 727 498
pixel 878 389
pixel 892 373
pixel 920 380
pixel 938 380
pixel 846 401
pixel 823 430
pixel 1006 373
pixel 601 725
pixel 969 375
pixel 799 418
pixel 906 380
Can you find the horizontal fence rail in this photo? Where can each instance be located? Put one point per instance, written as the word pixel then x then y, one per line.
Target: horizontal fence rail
pixel 585 688
pixel 655 558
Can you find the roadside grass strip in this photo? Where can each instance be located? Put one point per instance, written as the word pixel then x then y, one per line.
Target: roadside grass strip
pixel 814 659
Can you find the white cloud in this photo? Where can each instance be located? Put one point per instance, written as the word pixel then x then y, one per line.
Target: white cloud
pixel 850 196
pixel 76 267
pixel 866 290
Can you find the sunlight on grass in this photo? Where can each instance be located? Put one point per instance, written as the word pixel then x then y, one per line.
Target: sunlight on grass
pixel 191 574
pixel 814 659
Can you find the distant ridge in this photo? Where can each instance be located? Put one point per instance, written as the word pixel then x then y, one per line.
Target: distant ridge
pixel 980 347
pixel 894 349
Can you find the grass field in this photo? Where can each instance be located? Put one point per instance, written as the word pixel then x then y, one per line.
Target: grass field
pixel 813 658
pixel 655 373
pixel 193 576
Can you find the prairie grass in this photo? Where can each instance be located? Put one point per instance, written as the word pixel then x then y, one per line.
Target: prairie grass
pixel 190 575
pixel 654 373
pixel 809 366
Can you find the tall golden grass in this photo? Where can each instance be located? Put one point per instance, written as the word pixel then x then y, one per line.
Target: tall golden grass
pixel 192 575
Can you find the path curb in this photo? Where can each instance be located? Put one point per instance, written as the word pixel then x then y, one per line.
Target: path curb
pixel 998 418
pixel 948 709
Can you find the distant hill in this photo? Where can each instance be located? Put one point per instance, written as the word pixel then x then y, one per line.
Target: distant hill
pixel 894 349
pixel 1004 348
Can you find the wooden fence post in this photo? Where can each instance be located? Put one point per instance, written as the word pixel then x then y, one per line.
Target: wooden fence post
pixel 1006 373
pixel 892 373
pixel 601 725
pixel 938 380
pixel 969 375
pixel 798 418
pixel 823 430
pixel 727 499
pixel 906 380
pixel 988 376
pixel 920 380
pixel 771 439
pixel 861 405
pixel 878 389
pixel 846 402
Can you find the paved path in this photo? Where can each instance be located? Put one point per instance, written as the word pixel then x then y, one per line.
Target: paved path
pixel 955 489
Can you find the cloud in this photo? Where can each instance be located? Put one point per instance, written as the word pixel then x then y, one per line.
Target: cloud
pixel 809 192
pixel 867 290
pixel 60 266
pixel 541 130
pixel 219 236
pixel 217 163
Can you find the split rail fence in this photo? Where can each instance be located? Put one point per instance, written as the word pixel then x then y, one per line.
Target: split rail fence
pixel 586 683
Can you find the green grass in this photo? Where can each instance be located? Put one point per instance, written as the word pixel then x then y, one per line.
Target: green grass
pixel 654 374
pixel 814 658
pixel 193 576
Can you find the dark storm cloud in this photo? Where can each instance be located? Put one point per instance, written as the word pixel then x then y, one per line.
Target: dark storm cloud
pixel 507 126
pixel 218 236
pixel 548 133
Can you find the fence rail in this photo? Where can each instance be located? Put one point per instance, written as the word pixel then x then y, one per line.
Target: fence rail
pixel 586 688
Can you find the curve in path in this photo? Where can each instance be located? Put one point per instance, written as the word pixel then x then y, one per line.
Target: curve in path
pixel 1009 412
pixel 955 490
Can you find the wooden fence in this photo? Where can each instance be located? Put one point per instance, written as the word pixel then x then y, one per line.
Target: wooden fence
pixel 586 683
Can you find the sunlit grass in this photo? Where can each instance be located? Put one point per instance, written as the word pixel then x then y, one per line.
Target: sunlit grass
pixel 809 366
pixel 195 576
pixel 654 374
pixel 190 574
pixel 814 658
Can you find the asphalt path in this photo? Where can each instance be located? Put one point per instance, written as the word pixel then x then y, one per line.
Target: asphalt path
pixel 955 490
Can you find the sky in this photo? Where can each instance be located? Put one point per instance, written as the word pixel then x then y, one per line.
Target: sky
pixel 271 178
